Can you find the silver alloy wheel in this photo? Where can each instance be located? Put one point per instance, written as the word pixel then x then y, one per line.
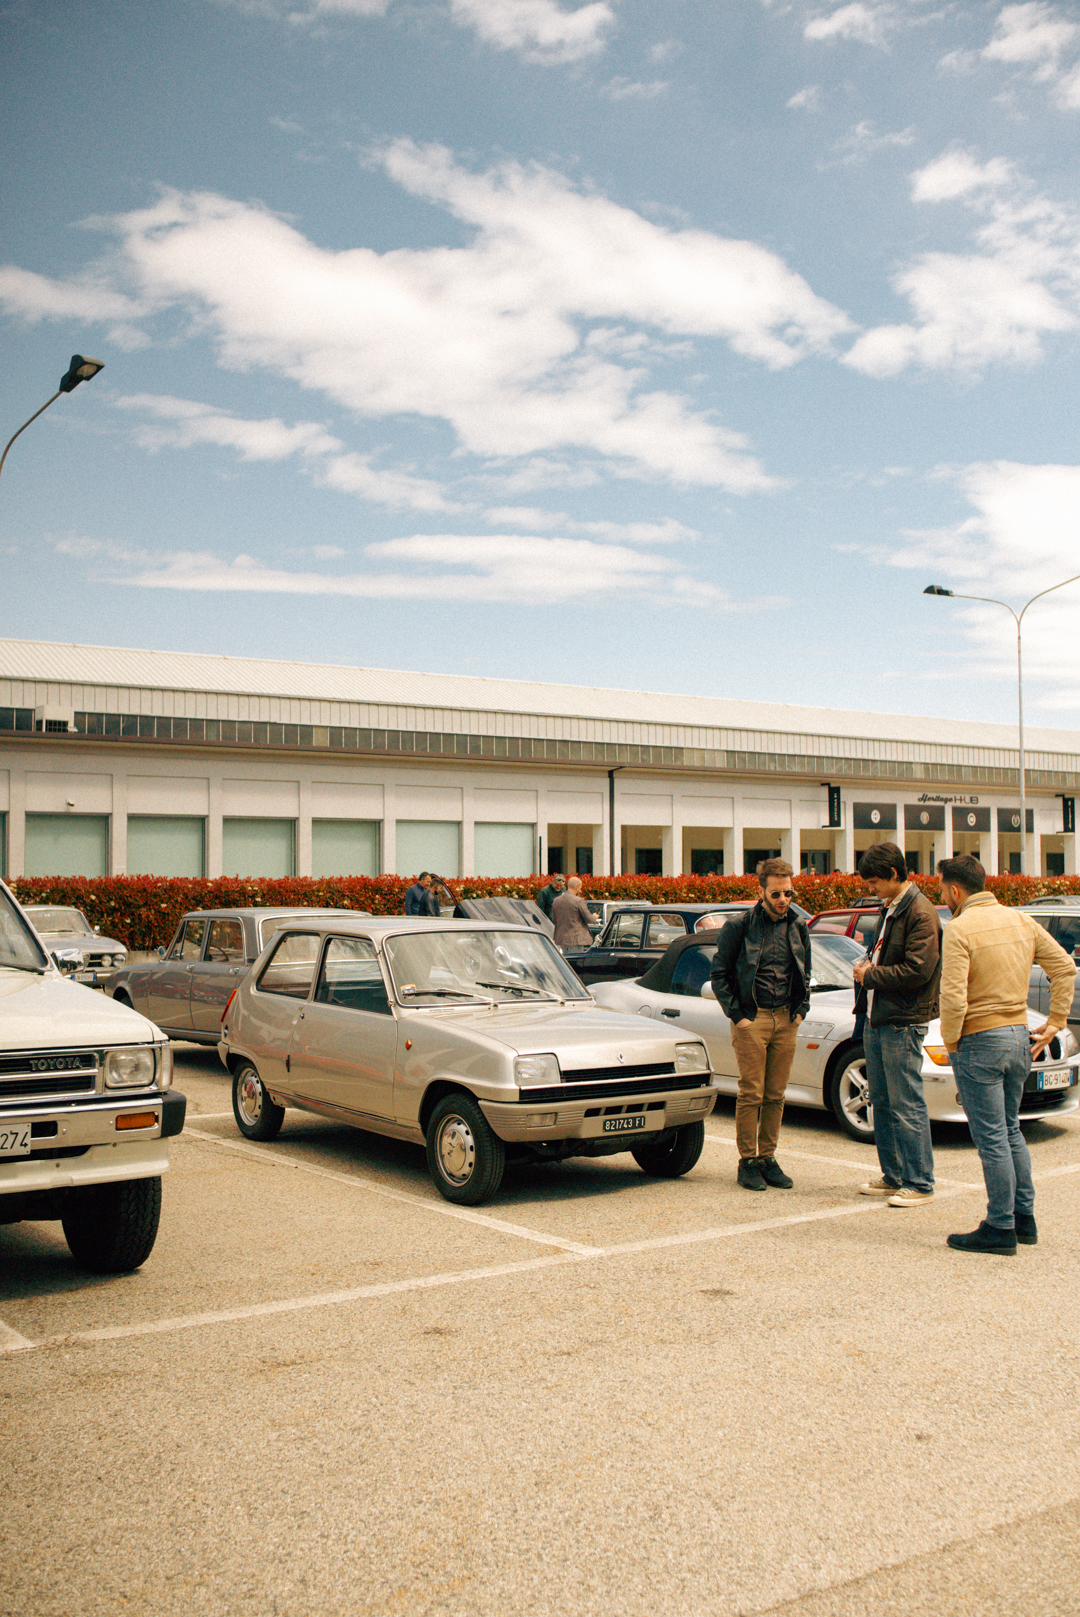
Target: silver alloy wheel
pixel 249 1096
pixel 854 1095
pixel 456 1150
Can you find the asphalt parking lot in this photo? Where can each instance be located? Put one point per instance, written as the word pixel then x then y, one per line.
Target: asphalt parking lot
pixel 330 1392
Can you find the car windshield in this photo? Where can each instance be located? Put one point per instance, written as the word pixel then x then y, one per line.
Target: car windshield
pixel 832 959
pixel 448 966
pixel 19 949
pixel 72 923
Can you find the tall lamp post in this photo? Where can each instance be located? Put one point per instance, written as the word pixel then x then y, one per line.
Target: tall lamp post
pixel 80 370
pixel 1018 618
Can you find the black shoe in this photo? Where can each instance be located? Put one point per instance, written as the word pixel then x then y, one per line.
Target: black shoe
pixel 1026 1232
pixel 750 1177
pixel 985 1239
pixel 773 1174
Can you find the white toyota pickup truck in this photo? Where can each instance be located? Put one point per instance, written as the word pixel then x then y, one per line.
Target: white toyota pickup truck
pixel 86 1106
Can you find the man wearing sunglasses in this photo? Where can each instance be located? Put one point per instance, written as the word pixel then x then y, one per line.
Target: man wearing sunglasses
pixel 761 978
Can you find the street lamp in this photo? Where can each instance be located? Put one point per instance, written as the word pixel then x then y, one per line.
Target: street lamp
pixel 937 589
pixel 80 370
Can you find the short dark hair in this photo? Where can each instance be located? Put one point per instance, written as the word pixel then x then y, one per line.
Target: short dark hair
pixel 963 871
pixel 881 862
pixel 773 867
pixel 422 874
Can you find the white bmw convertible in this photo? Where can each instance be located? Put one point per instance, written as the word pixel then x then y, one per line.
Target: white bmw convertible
pixel 829 1070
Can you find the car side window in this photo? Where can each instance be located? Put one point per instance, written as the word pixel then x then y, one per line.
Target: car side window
pixel 226 940
pixel 664 929
pixel 191 945
pixel 350 977
pixel 291 968
pixel 693 969
pixel 1068 933
pixel 625 931
pixel 865 927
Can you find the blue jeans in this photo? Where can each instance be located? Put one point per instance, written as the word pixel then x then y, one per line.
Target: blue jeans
pixel 991 1069
pixel 894 1057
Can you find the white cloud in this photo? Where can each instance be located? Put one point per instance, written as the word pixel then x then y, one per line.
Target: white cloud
pixel 991 306
pixel 491 337
pixel 619 89
pixel 862 141
pixel 492 567
pixel 1020 539
pixel 540 30
pixel 808 99
pixel 631 533
pixel 91 301
pixel 1039 37
pixel 869 24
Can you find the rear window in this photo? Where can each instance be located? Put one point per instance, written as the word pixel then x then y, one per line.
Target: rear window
pixel 692 969
pixel 290 969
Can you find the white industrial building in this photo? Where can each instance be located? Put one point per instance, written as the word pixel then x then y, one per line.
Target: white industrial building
pixel 119 761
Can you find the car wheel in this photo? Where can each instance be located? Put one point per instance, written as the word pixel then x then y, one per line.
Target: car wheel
pixel 111 1229
pixel 678 1156
pixel 849 1095
pixel 120 998
pixel 257 1116
pixel 465 1157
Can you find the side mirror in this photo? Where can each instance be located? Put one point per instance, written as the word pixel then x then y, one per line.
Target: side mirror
pixel 97 932
pixel 161 951
pixel 707 990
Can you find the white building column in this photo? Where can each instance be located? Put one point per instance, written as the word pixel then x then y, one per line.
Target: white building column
pixel 388 840
pixel 671 840
pixel 17 823
pixel 214 849
pixel 303 828
pixel 118 826
pixel 787 847
pixel 600 850
pixel 1069 843
pixel 994 855
pixel 733 840
pixel 468 832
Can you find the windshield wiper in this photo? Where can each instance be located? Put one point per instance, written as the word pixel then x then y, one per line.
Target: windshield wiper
pixel 516 988
pixel 444 993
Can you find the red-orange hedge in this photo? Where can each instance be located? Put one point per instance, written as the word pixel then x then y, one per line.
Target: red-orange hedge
pixel 143 911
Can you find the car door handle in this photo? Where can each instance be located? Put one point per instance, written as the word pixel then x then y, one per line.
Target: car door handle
pixel 672 1014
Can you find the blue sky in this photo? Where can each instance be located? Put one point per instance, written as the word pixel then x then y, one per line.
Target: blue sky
pixel 670 346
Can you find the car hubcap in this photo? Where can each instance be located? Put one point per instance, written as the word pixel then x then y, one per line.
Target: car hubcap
pixel 457 1150
pixel 855 1097
pixel 250 1098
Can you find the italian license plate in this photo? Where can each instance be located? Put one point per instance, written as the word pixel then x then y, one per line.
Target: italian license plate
pixel 14 1139
pixel 1060 1078
pixel 622 1125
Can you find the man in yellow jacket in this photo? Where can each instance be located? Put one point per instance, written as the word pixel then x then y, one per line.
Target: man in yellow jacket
pixel 987 953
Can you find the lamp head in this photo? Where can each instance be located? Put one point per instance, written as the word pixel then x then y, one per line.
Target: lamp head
pixel 80 370
pixel 936 589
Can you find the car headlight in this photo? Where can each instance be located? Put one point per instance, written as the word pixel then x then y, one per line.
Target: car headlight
pixel 130 1069
pixel 532 1070
pixel 691 1058
pixel 1070 1044
pixel 938 1055
pixel 815 1030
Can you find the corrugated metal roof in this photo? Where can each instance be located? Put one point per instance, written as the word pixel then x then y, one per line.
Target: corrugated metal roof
pixel 41 660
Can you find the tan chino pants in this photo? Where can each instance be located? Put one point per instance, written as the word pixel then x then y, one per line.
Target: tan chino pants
pixel 764 1052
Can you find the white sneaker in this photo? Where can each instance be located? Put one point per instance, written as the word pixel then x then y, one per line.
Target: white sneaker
pixel 878 1187
pixel 906 1197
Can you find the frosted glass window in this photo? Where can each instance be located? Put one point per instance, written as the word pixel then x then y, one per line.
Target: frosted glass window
pixel 67 845
pixel 345 848
pixel 258 847
pixel 504 849
pixel 165 845
pixel 433 845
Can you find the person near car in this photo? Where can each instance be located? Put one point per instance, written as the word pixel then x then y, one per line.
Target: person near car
pixel 419 897
pixel 571 916
pixel 550 891
pixel 987 956
pixel 896 1000
pixel 761 977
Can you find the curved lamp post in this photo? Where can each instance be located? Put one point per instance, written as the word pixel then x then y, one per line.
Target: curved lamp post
pixel 80 370
pixel 1018 618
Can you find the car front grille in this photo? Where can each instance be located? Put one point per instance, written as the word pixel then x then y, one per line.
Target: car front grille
pixel 48 1074
pixel 658 1084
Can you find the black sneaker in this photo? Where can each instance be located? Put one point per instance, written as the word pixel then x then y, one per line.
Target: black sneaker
pixel 1026 1232
pixel 750 1177
pixel 773 1174
pixel 985 1239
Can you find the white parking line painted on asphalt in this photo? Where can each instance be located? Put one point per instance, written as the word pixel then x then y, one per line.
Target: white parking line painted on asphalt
pixel 837 1162
pixel 277 1159
pixel 209 1117
pixel 11 1341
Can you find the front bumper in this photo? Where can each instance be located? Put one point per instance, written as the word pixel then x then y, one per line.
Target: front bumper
pixel 86 1144
pixel 943 1102
pixel 607 1118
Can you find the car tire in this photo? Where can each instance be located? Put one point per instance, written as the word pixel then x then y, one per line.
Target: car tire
pixel 848 1094
pixel 677 1157
pixel 465 1157
pixel 257 1116
pixel 111 1229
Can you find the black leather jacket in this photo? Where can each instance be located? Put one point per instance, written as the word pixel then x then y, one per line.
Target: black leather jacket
pixel 738 951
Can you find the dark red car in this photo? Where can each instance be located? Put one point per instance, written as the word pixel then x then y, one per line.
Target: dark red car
pixel 858 922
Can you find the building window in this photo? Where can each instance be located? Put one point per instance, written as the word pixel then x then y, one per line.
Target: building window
pixel 166 845
pixel 433 845
pixel 706 861
pixel 1055 864
pixel 648 861
pixel 555 861
pixel 258 847
pixel 345 847
pixel 67 845
pixel 818 861
pixel 583 858
pixel 752 857
pixel 503 849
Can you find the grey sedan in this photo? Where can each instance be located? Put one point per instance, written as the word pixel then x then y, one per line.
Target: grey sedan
pixel 72 941
pixel 186 990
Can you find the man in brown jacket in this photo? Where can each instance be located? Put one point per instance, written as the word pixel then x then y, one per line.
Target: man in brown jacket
pixel 898 995
pixel 986 967
pixel 571 916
